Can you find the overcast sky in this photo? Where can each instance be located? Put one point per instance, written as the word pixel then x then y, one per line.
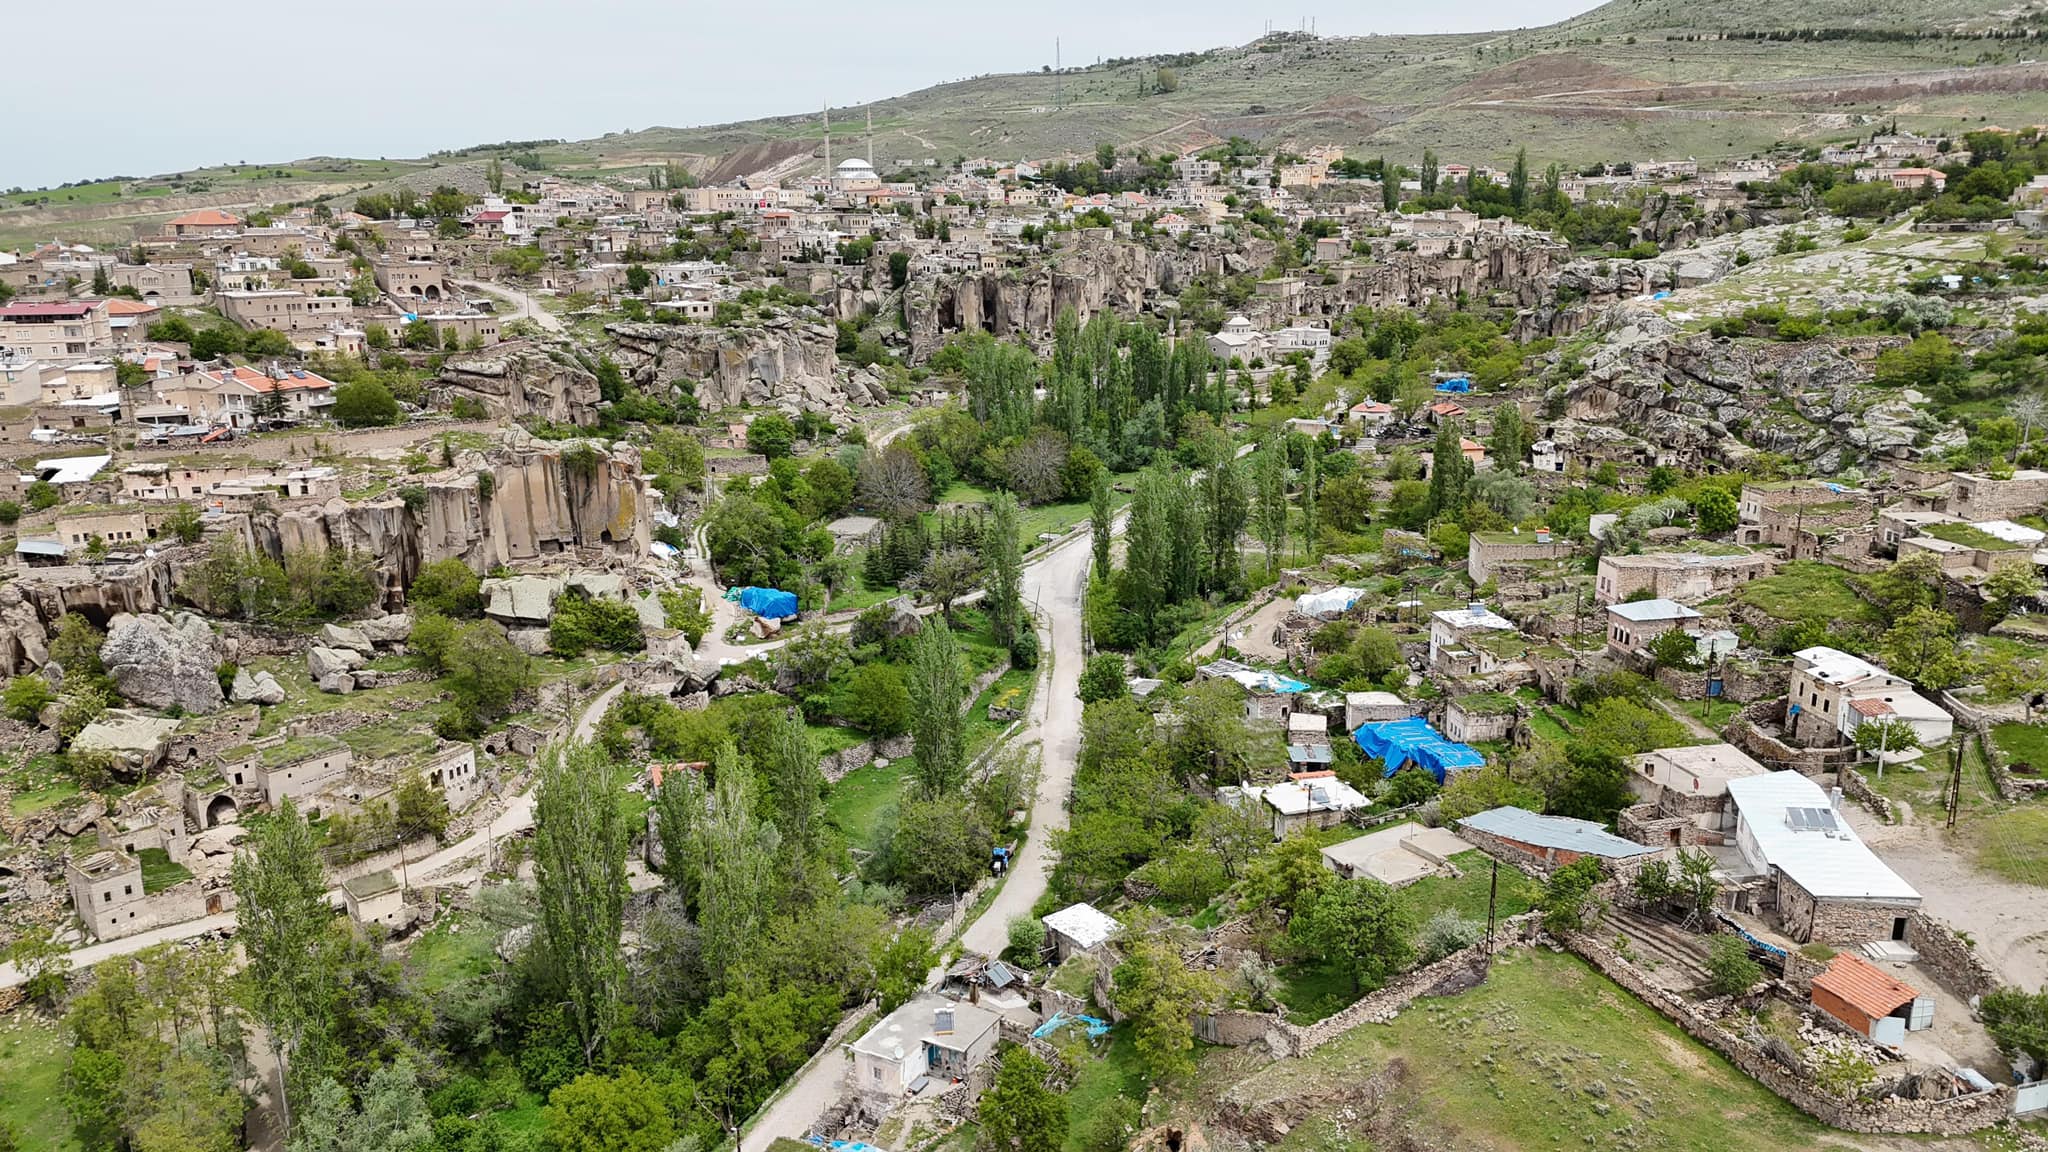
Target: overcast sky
pixel 177 84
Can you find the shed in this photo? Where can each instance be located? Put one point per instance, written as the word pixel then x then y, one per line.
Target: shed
pixel 1870 1001
pixel 1545 842
pixel 374 898
pixel 1079 928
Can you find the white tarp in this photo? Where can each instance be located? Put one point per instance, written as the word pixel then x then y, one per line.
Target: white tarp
pixel 1328 603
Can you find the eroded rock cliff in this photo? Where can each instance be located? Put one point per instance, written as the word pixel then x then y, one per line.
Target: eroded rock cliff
pixel 781 362
pixel 522 378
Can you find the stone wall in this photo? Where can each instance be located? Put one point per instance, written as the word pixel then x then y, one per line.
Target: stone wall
pixel 1746 732
pixel 1945 954
pixel 838 764
pixel 1856 787
pixel 1952 1117
pixel 1739 683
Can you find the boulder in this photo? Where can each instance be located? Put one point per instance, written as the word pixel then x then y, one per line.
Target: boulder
pixel 521 599
pixel 365 678
pixel 218 840
pixel 255 688
pixel 354 639
pixel 338 683
pixel 532 641
pixel 650 610
pixel 324 662
pixel 903 617
pixel 85 817
pixel 387 629
pixel 164 662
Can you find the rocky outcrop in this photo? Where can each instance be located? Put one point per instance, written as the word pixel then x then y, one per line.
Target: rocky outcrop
pixel 164 662
pixel 546 498
pixel 521 378
pixel 781 362
pixel 255 688
pixel 322 663
pixel 1091 273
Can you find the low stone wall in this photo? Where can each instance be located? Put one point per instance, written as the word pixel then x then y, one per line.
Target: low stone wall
pixel 1745 731
pixel 1954 1117
pixel 1738 683
pixel 1451 972
pixel 1945 954
pixel 838 764
pixel 1237 1027
pixel 749 465
pixel 1856 787
pixel 390 858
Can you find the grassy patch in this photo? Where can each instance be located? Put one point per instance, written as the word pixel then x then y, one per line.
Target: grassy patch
pixel 2023 743
pixel 1467 893
pixel 32 1066
pixel 1311 991
pixel 1549 1054
pixel 40 783
pixel 159 871
pixel 1805 589
pixel 1117 1072
pixel 2014 844
pixel 453 950
pixel 855 804
pixel 1011 690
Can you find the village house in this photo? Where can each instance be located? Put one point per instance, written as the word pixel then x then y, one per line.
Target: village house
pixel 1632 625
pixel 299 768
pixel 285 310
pixel 421 277
pixel 158 283
pixel 1972 497
pixel 107 894
pixel 1683 794
pixel 122 531
pixel 1970 552
pixel 1544 843
pixel 1800 515
pixel 1472 640
pixel 1375 708
pixel 1078 928
pixel 374 898
pixel 1814 876
pixel 55 331
pixel 1315 799
pixel 930 1037
pixel 240 396
pixel 1480 717
pixel 1832 693
pixel 1686 577
pixel 205 224
pixel 1492 550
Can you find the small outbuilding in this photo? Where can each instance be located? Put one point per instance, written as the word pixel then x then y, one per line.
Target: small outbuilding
pixel 1545 842
pixel 374 898
pixel 1870 1001
pixel 1078 928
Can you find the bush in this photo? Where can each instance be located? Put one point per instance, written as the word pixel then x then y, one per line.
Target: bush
pixel 581 623
pixel 875 699
pixel 1109 1127
pixel 1445 933
pixel 1411 785
pixel 26 697
pixel 1027 936
pixel 1103 678
pixel 364 404
pixel 449 588
pixel 1730 969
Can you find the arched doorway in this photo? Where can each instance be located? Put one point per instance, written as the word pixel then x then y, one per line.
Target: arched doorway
pixel 433 292
pixel 221 810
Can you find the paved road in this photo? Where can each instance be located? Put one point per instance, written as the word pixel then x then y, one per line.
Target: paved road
pixel 1054 585
pixel 528 307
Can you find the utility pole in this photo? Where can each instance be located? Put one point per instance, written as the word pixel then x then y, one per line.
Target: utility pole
pixel 1492 893
pixel 1955 781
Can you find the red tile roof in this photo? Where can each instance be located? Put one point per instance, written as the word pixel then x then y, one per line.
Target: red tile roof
pixel 122 306
pixel 293 380
pixel 206 218
pixel 1871 707
pixel 492 217
pixel 1861 985
pixel 48 308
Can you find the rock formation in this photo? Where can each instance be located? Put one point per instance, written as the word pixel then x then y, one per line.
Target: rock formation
pixel 255 688
pixel 784 361
pixel 523 378
pixel 164 662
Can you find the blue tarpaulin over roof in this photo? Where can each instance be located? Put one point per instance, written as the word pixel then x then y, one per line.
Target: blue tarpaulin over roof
pixel 773 603
pixel 1412 741
pixel 1454 384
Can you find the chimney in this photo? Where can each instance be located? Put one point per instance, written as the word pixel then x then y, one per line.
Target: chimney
pixel 1835 798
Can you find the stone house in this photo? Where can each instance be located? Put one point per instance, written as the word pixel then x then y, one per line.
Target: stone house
pixel 56 331
pixel 1493 550
pixel 374 898
pixel 1801 515
pixel 1979 497
pixel 1480 717
pixel 1374 708
pixel 1686 577
pixel 1313 799
pixel 107 894
pixel 1831 693
pixel 299 768
pixel 285 310
pixel 453 771
pixel 931 1036
pixel 1078 928
pixel 204 224
pixel 1631 626
pixel 411 277
pixel 1684 794
pixel 1457 635
pixel 1817 879
pixel 158 283
pixel 1545 843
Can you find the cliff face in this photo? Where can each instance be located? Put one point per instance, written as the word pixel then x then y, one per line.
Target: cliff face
pixel 31 606
pixel 782 362
pixel 521 378
pixel 545 499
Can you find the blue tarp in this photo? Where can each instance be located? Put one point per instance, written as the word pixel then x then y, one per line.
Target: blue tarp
pixel 773 603
pixel 1454 384
pixel 1401 742
pixel 1096 1028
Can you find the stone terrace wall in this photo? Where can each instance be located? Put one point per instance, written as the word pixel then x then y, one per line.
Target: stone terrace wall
pixel 1746 733
pixel 838 764
pixel 1958 1116
pixel 1856 787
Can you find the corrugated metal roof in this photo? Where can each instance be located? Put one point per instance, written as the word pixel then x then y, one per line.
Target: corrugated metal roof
pixel 1561 832
pixel 1829 864
pixel 1863 986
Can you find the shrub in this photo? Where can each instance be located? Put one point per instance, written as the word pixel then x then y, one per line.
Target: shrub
pixel 26 697
pixel 875 699
pixel 1445 933
pixel 1027 936
pixel 582 622
pixel 1411 785
pixel 449 588
pixel 1729 967
pixel 364 404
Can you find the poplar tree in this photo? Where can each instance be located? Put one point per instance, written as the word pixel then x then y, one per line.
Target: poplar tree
pixel 1101 522
pixel 789 764
pixel 579 855
pixel 1311 522
pixel 285 927
pixel 737 849
pixel 1003 574
pixel 1269 496
pixel 937 740
pixel 1448 469
pixel 1224 511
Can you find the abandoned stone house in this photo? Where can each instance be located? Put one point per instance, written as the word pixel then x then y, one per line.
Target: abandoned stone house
pixel 1493 553
pixel 107 893
pixel 1683 794
pixel 1686 577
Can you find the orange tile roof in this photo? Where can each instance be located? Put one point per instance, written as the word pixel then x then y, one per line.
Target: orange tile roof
pixel 257 381
pixel 206 218
pixel 1861 985
pixel 122 306
pixel 1872 708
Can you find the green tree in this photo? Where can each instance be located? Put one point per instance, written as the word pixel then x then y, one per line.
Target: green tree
pixel 1160 996
pixel 447 587
pixel 875 699
pixel 789 765
pixel 2009 585
pixel 1921 647
pixel 626 1112
pixel 1470 793
pixel 1885 736
pixel 284 921
pixel 2018 1022
pixel 1429 172
pixel 393 1115
pixel 1716 510
pixel 936 689
pixel 734 853
pixel 35 953
pixel 1019 1113
pixel 43 495
pixel 1288 877
pixel 900 965
pixel 1729 967
pixel 1448 469
pixel 899 268
pixel 364 403
pixel 1102 678
pixel 1508 440
pixel 638 278
pixel 183 524
pixel 1003 576
pixel 1518 180
pixel 771 435
pixel 1101 522
pixel 1676 648
pixel 579 853
pixel 1566 894
pixel 1360 927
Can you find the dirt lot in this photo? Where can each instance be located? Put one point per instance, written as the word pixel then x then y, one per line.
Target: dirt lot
pixel 2008 922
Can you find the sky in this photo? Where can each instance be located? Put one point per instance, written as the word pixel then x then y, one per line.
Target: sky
pixel 191 83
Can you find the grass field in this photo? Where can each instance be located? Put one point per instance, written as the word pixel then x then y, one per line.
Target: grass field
pixel 40 783
pixel 2014 843
pixel 1116 1073
pixel 32 1070
pixel 2023 743
pixel 1546 1054
pixel 159 871
pixel 1804 590
pixel 855 804
pixel 456 948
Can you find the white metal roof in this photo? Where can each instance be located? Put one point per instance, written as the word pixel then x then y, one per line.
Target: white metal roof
pixel 73 469
pixel 1830 861
pixel 1083 924
pixel 1561 832
pixel 1834 666
pixel 1639 611
pixel 1323 794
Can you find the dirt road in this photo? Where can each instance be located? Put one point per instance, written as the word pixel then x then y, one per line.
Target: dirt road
pixel 527 308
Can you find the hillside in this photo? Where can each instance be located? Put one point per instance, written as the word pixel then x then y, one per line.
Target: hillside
pixel 1619 82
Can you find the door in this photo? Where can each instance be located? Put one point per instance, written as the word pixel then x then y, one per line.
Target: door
pixel 1898 927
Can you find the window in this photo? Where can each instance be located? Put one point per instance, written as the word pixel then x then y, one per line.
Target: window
pixel 107 897
pixel 127 890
